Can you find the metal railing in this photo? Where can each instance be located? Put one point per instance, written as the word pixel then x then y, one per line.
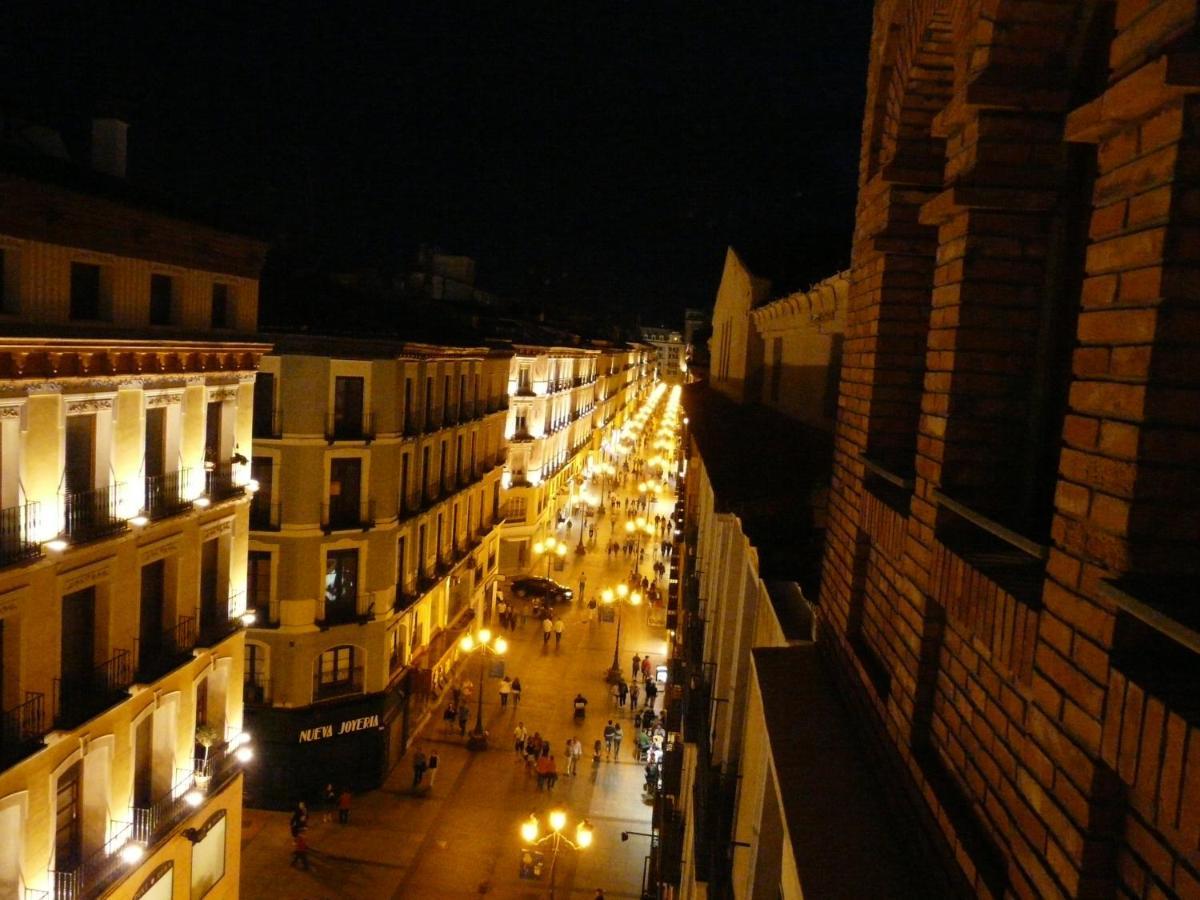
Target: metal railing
pixel 219 483
pixel 92 514
pixel 344 515
pixel 79 698
pixel 166 651
pixel 215 628
pixel 165 494
pixel 151 822
pixel 350 428
pixel 89 876
pixel 342 687
pixel 22 726
pixel 17 523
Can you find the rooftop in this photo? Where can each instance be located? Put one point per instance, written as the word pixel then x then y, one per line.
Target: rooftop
pixel 766 469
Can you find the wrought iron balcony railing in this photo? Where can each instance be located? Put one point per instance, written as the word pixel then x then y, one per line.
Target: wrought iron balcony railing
pixel 90 515
pixel 165 494
pixel 17 525
pixel 79 698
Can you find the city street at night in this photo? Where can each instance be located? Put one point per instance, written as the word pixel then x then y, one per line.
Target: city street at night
pixel 462 838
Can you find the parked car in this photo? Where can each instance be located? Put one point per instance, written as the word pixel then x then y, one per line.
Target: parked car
pixel 544 591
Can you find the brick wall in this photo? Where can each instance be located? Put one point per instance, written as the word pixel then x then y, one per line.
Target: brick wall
pixel 1008 580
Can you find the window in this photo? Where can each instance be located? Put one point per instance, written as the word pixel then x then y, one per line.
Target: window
pixel 408 410
pixel 85 291
pixel 152 643
pixel 404 457
pixel 345 485
pixel 258 584
pixel 208 855
pixel 339 671
pixel 212 432
pixel 68 819
pixel 254 675
pixel 524 385
pixel 421 550
pixel 341 585
pixel 263 514
pixel 401 580
pixel 347 406
pixel 220 305
pixel 428 404
pixel 265 419
pixel 162 298
pixel 8 293
pixel 521 420
pixel 80 464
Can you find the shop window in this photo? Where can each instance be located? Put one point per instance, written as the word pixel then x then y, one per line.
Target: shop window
pixel 208 855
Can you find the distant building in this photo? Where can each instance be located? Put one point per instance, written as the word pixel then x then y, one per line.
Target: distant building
pixel 564 402
pixel 444 276
pixel 735 355
pixel 129 358
pixel 669 350
pixel 374 544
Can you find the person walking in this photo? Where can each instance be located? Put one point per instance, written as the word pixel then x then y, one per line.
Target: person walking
pixel 299 818
pixel 637 666
pixel 505 690
pixel 622 693
pixel 551 773
pixel 520 733
pixel 464 714
pixel 516 692
pixel 558 632
pixel 582 584
pixel 576 752
pixel 344 799
pixel 646 668
pixel 328 803
pixel 433 763
pixel 608 739
pixel 501 615
pixel 651 693
pixel 567 754
pixel 547 629
pixel 299 851
pixel 596 747
pixel 633 696
pixel 419 765
pixel 616 740
pixel 544 766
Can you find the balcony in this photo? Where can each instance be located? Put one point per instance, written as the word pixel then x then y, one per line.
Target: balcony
pixel 218 626
pixel 351 683
pixel 157 657
pixel 256 689
pixel 79 698
pixel 350 427
pixel 165 494
pixel 411 429
pixel 17 523
pixel 344 610
pixel 269 424
pixel 219 483
pixel 91 515
pixel 347 515
pixel 22 728
pixel 264 513
pixel 525 389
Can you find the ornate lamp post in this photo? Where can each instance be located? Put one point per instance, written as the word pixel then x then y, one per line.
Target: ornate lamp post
pixel 557 820
pixel 550 548
pixel 620 595
pixel 484 644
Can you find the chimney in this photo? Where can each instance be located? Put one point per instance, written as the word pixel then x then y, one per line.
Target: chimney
pixel 108 145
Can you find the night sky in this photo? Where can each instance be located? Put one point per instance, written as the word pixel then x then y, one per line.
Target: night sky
pixel 584 152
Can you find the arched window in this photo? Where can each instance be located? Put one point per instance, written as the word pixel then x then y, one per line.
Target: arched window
pixel 339 671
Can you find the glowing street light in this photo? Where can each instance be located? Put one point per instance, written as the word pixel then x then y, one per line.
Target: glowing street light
pixel 557 820
pixel 484 643
pixel 620 595
pixel 550 548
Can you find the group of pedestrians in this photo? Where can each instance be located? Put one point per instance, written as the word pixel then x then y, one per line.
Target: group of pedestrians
pixel 534 751
pixel 331 801
pixel 425 765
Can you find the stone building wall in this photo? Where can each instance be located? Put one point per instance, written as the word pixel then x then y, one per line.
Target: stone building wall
pixel 1014 493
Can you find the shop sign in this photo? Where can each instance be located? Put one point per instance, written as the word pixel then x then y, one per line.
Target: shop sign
pixel 348 726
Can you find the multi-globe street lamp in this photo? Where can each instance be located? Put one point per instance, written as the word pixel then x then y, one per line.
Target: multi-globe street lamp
pixel 550 548
pixel 557 820
pixel 483 643
pixel 619 595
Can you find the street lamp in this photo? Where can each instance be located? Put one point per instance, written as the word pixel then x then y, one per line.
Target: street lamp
pixel 620 595
pixel 557 820
pixel 550 547
pixel 483 641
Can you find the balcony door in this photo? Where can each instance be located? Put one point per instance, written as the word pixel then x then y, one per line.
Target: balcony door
pixel 262 513
pixel 143 763
pixel 347 406
pixel 258 585
pixel 153 617
pixel 345 486
pixel 78 645
pixel 81 454
pixel 264 404
pixel 341 585
pixel 214 609
pixel 68 819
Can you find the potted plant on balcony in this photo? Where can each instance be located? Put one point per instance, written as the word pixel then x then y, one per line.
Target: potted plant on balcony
pixel 206 736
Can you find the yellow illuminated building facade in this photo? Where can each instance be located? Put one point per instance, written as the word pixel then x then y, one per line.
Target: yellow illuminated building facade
pixel 564 402
pixel 126 392
pixel 388 458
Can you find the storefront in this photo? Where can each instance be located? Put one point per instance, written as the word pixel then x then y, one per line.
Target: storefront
pixel 345 743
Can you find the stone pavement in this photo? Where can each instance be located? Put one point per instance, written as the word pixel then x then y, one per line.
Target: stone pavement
pixel 461 838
